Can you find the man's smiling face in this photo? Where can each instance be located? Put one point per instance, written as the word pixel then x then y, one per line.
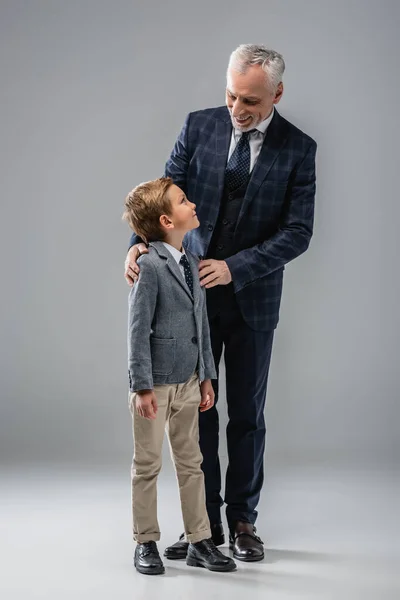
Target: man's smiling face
pixel 249 97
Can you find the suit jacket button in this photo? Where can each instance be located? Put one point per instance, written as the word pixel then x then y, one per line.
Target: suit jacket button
pixel 210 227
pixel 194 339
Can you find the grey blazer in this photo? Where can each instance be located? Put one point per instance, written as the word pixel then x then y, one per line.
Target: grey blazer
pixel 168 332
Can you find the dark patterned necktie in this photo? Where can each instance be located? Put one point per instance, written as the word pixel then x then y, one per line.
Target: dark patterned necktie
pixel 238 167
pixel 188 272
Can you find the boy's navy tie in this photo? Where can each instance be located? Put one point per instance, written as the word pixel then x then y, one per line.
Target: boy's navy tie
pixel 188 272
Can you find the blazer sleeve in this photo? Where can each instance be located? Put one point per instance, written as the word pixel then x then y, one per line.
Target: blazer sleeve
pixel 178 163
pixel 141 308
pixel 291 239
pixel 209 365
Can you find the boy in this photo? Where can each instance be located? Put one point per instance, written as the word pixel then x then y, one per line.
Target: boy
pixel 170 371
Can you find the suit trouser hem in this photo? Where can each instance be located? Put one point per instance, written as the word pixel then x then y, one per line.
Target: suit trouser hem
pixel 193 538
pixel 146 537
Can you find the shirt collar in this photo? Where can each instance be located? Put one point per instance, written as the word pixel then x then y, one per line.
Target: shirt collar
pixel 177 255
pixel 261 127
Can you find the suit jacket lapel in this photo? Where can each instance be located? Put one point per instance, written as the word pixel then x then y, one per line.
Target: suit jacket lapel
pixel 274 140
pixel 197 291
pixel 177 273
pixel 223 140
pixel 172 266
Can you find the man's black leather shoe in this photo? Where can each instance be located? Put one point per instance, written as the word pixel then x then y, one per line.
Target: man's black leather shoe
pixel 147 559
pixel 179 549
pixel 205 554
pixel 244 542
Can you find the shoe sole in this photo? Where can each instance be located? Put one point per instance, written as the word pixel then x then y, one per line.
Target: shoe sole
pixel 166 555
pixel 250 559
pixel 191 562
pixel 155 571
pixel 184 556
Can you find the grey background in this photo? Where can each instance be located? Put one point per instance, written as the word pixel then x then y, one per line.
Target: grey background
pixel 93 94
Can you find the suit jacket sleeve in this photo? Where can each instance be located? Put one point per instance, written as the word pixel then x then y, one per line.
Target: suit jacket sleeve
pixel 178 163
pixel 292 237
pixel 209 365
pixel 142 304
pixel 135 239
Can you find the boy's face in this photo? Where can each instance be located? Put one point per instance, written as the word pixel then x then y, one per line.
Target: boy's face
pixel 183 216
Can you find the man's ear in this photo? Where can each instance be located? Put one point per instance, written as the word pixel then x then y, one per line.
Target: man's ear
pixel 278 93
pixel 166 222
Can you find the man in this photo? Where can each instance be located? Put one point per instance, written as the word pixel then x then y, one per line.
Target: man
pixel 251 174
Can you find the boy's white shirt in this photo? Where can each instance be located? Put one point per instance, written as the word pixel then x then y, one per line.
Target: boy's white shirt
pixel 177 255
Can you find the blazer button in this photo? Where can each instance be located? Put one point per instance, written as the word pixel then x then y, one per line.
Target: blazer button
pixel 210 227
pixel 225 222
pixel 220 247
pixel 194 339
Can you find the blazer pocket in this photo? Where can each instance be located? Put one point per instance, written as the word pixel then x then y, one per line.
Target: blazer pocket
pixel 163 353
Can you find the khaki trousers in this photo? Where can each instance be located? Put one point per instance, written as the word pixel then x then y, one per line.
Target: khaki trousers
pixel 177 414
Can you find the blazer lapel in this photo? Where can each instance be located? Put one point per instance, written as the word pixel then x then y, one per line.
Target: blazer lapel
pixel 172 266
pixel 177 273
pixel 194 265
pixel 273 142
pixel 223 139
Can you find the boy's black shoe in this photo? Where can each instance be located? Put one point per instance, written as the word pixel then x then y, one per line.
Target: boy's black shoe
pixel 205 554
pixel 179 549
pixel 147 559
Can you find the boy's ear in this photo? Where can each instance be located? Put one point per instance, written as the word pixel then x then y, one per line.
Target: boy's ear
pixel 166 222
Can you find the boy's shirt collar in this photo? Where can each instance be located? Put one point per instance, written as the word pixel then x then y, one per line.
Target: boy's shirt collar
pixel 175 253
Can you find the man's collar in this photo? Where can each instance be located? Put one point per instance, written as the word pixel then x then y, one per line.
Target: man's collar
pixel 263 126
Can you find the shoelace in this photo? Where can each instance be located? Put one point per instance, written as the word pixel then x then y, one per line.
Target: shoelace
pixel 210 546
pixel 149 548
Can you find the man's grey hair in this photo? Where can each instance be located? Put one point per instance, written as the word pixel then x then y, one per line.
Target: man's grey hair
pixel 271 62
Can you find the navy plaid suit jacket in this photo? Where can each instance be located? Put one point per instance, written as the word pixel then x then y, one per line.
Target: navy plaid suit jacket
pixel 275 223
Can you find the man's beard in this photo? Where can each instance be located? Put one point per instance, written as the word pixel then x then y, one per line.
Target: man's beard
pixel 252 123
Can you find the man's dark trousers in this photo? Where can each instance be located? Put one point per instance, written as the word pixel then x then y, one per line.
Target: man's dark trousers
pixel 247 357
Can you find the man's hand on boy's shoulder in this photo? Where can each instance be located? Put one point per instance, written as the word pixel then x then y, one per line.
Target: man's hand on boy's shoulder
pixel 131 267
pixel 146 404
pixel 207 395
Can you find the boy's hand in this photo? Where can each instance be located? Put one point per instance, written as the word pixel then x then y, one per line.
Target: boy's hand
pixel 131 266
pixel 207 395
pixel 146 404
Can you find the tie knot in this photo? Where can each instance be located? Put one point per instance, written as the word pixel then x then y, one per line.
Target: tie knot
pixel 245 136
pixel 184 260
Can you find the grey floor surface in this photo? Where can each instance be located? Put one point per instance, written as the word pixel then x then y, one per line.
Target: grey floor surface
pixel 65 533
